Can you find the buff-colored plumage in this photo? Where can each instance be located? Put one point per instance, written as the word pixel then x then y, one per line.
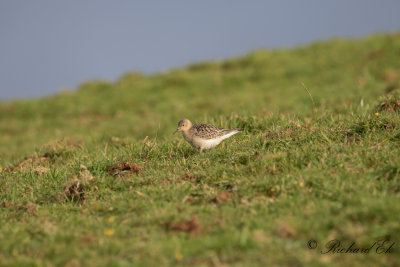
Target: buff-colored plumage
pixel 204 136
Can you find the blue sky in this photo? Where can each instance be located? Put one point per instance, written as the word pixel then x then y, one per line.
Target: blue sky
pixel 49 45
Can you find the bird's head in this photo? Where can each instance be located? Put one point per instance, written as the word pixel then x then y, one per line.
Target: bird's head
pixel 183 125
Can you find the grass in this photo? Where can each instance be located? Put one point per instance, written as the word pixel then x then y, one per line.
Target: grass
pixel 95 176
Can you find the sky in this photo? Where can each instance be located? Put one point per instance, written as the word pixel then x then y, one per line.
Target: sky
pixel 48 46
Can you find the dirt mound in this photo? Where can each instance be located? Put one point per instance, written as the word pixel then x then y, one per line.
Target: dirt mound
pixel 222 197
pixel 75 189
pixel 124 169
pixel 29 208
pixel 192 226
pixel 35 162
pixel 390 103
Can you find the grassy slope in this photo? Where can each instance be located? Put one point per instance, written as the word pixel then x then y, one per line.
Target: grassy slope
pixel 296 172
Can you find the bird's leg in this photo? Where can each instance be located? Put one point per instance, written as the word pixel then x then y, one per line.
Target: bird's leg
pixel 201 150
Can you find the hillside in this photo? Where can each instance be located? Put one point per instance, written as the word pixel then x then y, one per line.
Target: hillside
pixel 95 176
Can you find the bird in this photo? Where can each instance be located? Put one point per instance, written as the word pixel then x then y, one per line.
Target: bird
pixel 204 136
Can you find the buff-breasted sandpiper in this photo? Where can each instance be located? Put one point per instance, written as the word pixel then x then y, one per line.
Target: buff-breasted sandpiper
pixel 204 136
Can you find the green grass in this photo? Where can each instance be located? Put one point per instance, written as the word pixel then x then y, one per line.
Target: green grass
pixel 296 173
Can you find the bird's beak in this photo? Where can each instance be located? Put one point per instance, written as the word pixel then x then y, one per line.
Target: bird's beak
pixel 176 131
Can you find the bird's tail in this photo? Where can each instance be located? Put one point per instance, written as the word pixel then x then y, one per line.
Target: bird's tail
pixel 239 129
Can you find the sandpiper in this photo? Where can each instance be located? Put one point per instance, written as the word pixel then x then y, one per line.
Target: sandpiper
pixel 204 136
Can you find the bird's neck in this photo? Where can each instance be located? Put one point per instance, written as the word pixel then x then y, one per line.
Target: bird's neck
pixel 187 135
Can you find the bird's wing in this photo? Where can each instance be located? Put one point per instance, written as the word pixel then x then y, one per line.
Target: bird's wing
pixel 207 131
